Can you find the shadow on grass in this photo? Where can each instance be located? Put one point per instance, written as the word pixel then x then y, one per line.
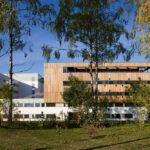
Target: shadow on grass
pixel 114 144
pixel 44 148
pixel 99 137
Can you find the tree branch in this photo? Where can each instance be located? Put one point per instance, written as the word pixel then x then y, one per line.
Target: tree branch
pixel 4 53
pixel 25 69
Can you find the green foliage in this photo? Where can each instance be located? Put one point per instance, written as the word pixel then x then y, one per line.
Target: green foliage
pixel 5 92
pixel 141 25
pixel 140 96
pixel 78 94
pixel 44 124
pixel 140 93
pixel 88 21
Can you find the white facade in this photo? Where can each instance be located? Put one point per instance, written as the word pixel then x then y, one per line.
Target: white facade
pixel 31 110
pixel 30 85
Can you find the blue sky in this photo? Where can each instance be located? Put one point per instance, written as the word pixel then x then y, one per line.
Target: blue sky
pixel 37 39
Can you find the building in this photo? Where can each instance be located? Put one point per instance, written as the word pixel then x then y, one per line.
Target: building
pixel 113 79
pixel 30 85
pixel 32 109
pixel 5 80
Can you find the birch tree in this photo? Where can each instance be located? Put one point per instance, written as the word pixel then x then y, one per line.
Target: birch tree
pixel 98 25
pixel 16 20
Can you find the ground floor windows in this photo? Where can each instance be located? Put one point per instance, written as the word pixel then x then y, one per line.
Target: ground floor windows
pixel 120 116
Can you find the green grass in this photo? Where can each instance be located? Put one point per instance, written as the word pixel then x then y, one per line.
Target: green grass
pixel 125 137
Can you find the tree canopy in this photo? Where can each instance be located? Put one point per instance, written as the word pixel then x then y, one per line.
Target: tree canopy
pixel 141 24
pixel 78 93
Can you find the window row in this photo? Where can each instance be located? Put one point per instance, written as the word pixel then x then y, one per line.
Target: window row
pixel 83 70
pixel 34 116
pixel 40 105
pixel 119 116
pixel 67 83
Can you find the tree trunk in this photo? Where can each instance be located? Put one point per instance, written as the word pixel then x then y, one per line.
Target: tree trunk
pixel 91 71
pixel 96 83
pixel 10 63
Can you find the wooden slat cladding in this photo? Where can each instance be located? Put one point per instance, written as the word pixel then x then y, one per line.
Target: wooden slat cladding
pixel 54 77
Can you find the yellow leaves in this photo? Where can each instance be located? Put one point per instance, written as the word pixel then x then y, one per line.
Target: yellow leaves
pixel 141 24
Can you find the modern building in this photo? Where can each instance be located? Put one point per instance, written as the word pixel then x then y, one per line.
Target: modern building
pixel 30 85
pixel 5 80
pixel 113 79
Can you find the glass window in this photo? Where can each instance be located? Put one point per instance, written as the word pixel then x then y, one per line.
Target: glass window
pixel 51 116
pixel 42 104
pixel 65 70
pixel 119 104
pixel 37 104
pixel 128 116
pixel 116 116
pixel 20 104
pixel 26 116
pixel 33 91
pixel 37 116
pixel 50 104
pixel 28 105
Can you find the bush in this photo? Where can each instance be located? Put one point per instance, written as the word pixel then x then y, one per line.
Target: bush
pixel 40 124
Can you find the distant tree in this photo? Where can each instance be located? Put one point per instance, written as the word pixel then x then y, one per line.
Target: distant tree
pixel 141 24
pixel 140 96
pixel 16 19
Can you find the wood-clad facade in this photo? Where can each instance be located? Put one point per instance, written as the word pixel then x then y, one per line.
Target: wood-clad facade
pixel 113 78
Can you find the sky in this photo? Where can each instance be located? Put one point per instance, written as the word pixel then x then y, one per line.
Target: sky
pixel 35 61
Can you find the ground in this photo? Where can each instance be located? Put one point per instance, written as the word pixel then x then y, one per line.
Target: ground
pixel 125 137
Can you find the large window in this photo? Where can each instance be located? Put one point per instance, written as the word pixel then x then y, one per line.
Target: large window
pixel 28 105
pixel 128 116
pixel 116 116
pixel 20 104
pixel 50 104
pixel 37 104
pixel 26 116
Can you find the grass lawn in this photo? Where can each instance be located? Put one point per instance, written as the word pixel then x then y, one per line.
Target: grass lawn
pixel 125 137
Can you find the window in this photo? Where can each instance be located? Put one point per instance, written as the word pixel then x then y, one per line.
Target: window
pixel 33 116
pixel 28 105
pixel 128 116
pixel 33 91
pixel 20 104
pixel 42 104
pixel 37 116
pixel 37 104
pixel 26 116
pixel 129 104
pixel 116 116
pixel 65 70
pixel 51 116
pixel 50 104
pixel 119 104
